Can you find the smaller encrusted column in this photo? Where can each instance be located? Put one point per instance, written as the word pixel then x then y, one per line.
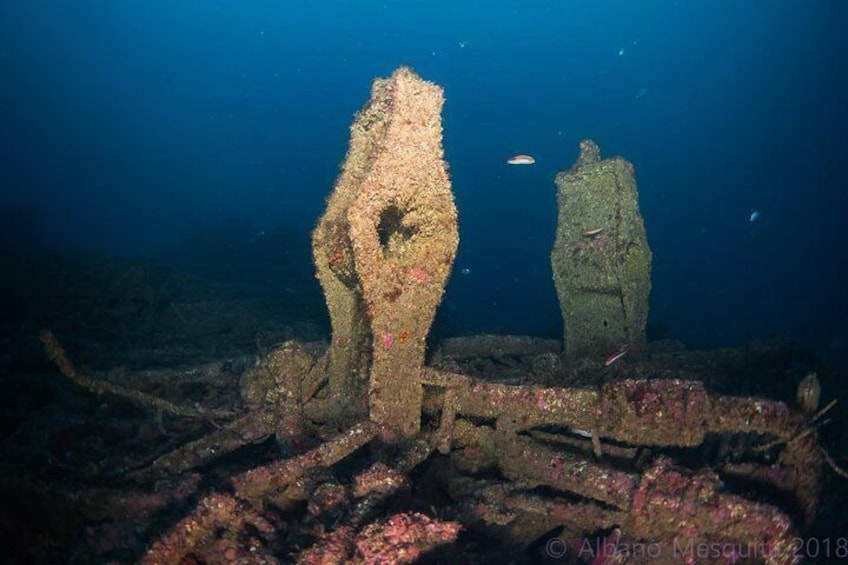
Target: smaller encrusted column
pixel 601 260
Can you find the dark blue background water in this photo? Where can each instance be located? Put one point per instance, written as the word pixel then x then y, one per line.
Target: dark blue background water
pixel 131 124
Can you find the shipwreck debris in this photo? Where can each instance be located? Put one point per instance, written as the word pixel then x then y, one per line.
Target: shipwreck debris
pixel 601 260
pixel 384 250
pixel 357 425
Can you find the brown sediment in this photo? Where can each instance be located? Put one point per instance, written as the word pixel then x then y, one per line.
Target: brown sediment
pixel 496 345
pixel 57 355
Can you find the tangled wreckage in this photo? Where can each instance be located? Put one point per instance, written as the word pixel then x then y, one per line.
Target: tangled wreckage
pixel 490 443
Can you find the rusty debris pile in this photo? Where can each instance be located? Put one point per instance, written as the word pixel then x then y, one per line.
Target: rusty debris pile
pixel 382 456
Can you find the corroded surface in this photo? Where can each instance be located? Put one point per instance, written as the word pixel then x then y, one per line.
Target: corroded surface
pixel 504 456
pixel 385 248
pixel 601 260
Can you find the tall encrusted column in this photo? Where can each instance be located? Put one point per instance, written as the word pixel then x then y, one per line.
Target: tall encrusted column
pixel 385 247
pixel 348 359
pixel 601 260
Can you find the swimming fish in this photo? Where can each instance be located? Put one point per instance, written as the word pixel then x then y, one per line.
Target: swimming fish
pixel 520 160
pixel 579 432
pixel 615 356
pixel 593 232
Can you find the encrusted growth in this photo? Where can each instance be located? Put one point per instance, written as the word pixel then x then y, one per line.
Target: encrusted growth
pixel 601 260
pixel 385 247
pixel 514 460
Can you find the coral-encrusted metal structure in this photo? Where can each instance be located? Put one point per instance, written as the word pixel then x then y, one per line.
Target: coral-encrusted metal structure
pixel 513 462
pixel 601 260
pixel 384 250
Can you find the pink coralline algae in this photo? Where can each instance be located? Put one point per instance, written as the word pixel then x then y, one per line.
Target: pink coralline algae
pixel 379 478
pixel 403 538
pixel 541 403
pixel 418 274
pixel 556 471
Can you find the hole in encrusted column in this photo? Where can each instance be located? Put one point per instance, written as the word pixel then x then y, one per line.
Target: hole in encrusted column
pixel 392 231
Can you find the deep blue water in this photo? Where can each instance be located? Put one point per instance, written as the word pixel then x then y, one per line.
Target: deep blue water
pixel 130 124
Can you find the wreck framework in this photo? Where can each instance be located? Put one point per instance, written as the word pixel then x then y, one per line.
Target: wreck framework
pixel 517 460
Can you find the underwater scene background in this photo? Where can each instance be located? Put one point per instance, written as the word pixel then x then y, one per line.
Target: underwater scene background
pixel 164 164
pixel 128 127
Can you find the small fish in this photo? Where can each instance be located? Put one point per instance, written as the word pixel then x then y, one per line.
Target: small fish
pixel 520 160
pixel 465 271
pixel 615 356
pixel 579 432
pixel 593 232
pixel 755 215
